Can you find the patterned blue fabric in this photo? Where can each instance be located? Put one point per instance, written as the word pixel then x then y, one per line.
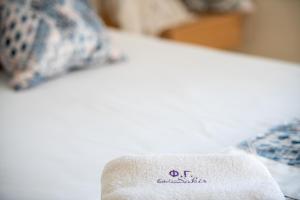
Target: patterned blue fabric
pixel 40 39
pixel 218 5
pixel 281 143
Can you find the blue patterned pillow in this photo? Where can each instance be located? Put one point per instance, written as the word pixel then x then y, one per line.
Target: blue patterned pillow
pixel 281 143
pixel 40 39
pixel 219 5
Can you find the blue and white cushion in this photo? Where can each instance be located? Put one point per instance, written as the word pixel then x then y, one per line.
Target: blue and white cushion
pixel 40 39
pixel 279 150
pixel 281 144
pixel 219 5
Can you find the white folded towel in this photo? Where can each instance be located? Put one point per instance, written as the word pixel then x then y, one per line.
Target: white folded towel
pixel 188 177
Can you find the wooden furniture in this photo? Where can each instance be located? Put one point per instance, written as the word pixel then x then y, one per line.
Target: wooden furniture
pixel 222 31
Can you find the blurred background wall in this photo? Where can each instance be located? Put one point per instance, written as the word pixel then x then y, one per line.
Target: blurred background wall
pixel 273 30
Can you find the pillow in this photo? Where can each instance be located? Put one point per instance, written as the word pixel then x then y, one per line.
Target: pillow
pixel 40 39
pixel 219 5
pixel 281 144
pixel 279 150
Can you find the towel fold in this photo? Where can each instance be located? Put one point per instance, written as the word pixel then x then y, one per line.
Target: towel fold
pixel 188 177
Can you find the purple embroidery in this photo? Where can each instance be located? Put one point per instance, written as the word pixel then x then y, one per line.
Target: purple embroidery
pixel 181 178
pixel 174 173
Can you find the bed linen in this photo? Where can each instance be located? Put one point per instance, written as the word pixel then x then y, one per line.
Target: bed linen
pixel 167 98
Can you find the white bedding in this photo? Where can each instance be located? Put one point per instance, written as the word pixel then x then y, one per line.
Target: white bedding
pixel 167 98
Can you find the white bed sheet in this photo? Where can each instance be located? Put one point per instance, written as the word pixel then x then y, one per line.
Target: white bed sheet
pixel 167 98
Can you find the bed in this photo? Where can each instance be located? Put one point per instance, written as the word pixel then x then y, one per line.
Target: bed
pixel 165 98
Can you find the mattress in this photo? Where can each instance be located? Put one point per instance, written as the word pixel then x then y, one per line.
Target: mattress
pixel 165 98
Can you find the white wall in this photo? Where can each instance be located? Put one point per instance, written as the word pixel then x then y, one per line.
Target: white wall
pixel 273 30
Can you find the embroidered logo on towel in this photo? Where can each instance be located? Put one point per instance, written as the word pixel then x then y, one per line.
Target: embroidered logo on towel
pixel 181 177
